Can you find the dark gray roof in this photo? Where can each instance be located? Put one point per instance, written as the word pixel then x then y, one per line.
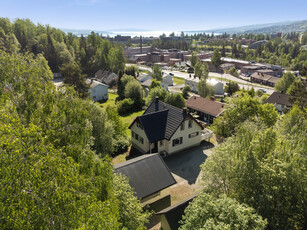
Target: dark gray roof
pixel 154 125
pixel 279 98
pixel 174 119
pixel 174 214
pixel 161 120
pixel 147 174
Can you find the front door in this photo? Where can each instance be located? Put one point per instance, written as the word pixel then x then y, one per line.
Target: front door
pixel 155 148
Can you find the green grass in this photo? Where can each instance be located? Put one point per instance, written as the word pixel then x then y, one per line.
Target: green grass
pixel 178 80
pixel 110 101
pixel 126 118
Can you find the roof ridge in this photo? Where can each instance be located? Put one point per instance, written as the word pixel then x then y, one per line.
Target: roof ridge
pixel 133 160
pixel 155 112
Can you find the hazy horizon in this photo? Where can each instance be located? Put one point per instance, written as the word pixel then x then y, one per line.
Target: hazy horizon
pixel 158 15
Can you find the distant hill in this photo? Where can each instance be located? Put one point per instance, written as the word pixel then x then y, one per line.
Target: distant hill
pixel 284 27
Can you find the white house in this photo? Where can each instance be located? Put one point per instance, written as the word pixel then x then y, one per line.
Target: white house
pixel 143 77
pixel 167 81
pixel 193 83
pixel 98 91
pixel 166 129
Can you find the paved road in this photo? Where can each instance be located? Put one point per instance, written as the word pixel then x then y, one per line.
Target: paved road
pixel 221 78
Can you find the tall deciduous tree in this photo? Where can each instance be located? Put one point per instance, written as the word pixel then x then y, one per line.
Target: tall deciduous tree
pixel 216 59
pixel 284 83
pixel 208 212
pixel 205 89
pixel 175 99
pixel 157 73
pixel 73 76
pixel 193 59
pixel 117 59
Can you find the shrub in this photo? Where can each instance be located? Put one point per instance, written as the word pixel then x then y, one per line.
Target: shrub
pixel 125 106
pixel 120 146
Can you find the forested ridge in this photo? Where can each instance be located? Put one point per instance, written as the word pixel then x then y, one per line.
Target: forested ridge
pixel 90 53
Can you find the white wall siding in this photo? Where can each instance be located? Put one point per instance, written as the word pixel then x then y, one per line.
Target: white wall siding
pixel 99 92
pixel 136 143
pixel 186 140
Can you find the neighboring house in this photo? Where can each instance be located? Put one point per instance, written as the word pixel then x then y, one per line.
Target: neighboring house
pixel 143 77
pixel 264 79
pixel 192 81
pixel 219 89
pixel 171 216
pixel 148 175
pixel 106 77
pixel 146 85
pixel 165 129
pixel 167 81
pixel 207 110
pixel 98 91
pixel 280 101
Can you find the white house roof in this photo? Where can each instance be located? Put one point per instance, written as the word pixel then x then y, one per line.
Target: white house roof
pixel 94 83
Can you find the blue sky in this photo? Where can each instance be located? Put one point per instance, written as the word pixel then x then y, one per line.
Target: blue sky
pixel 167 15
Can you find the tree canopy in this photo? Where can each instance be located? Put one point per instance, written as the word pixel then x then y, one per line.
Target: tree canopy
pixel 54 147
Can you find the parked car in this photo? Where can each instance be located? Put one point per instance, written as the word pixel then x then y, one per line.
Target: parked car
pixel 263 90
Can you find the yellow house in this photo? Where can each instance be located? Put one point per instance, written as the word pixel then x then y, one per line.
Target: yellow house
pixel 164 128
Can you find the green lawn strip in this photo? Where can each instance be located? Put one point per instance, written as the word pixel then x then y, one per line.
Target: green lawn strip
pixel 178 80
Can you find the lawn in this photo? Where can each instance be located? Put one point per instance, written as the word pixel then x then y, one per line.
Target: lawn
pixel 178 80
pixel 127 118
pixel 110 101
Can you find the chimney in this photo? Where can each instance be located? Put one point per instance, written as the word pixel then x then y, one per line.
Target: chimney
pixel 157 104
pixel 184 111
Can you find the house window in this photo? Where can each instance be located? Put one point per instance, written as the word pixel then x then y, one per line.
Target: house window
pixel 193 134
pixel 132 134
pixel 182 126
pixel 190 124
pixel 177 141
pixel 161 143
pixel 139 125
pixel 94 96
pixel 137 137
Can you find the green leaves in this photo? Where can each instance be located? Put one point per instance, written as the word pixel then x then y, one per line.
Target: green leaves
pixel 208 212
pixel 265 167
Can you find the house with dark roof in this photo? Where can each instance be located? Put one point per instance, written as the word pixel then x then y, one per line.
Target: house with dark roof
pixel 207 110
pixel 148 175
pixel 165 129
pixel 171 216
pixel 280 101
pixel 106 77
pixel 98 91
pixel 264 79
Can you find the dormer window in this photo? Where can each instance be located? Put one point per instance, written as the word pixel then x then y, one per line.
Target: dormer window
pixel 190 124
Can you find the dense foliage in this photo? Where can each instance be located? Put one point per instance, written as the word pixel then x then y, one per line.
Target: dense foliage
pixel 54 147
pixel 93 52
pixel 208 212
pixel 266 168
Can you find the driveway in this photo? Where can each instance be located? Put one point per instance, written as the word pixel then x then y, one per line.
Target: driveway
pixel 185 166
